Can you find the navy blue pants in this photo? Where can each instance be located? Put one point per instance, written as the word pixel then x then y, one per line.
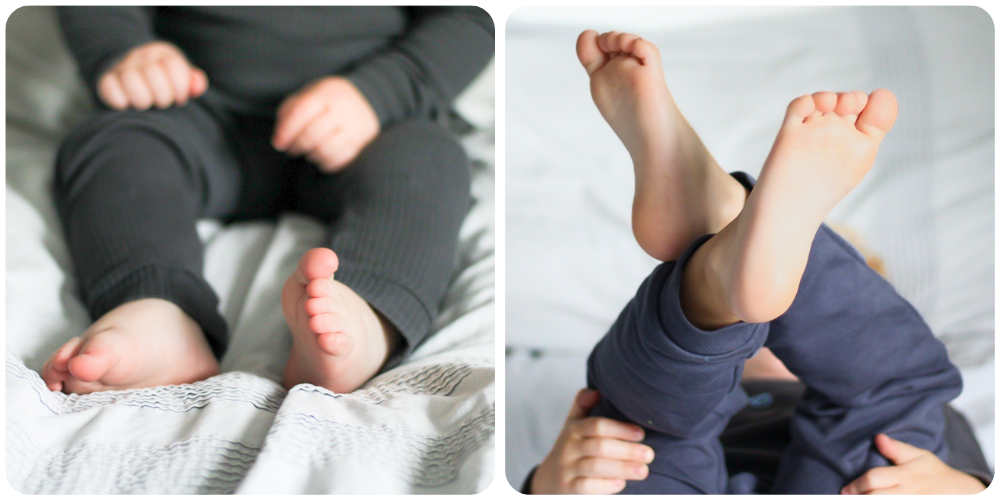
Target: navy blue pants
pixel 869 362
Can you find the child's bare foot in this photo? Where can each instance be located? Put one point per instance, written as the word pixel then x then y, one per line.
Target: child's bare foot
pixel 826 145
pixel 338 341
pixel 143 343
pixel 681 193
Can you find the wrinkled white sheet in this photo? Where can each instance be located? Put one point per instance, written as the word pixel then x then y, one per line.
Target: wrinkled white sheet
pixel 927 207
pixel 426 426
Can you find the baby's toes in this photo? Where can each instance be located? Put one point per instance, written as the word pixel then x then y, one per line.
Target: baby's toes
pixel 626 41
pixel 326 323
pixel 589 52
pixel 320 305
pixel 825 101
pixel 60 360
pixel 320 287
pixel 335 344
pixel 846 104
pixel 860 100
pixel 609 42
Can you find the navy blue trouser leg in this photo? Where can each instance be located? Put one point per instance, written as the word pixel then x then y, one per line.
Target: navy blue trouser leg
pixel 679 382
pixel 870 362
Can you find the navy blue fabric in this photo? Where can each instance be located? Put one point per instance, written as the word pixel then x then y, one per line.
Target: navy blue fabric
pixel 869 361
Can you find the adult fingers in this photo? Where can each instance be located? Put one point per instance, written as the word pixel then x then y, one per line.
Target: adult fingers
pixel 606 427
pixel 179 74
pixel 608 468
pixel 584 401
pixel 596 486
pixel 137 89
pixel 313 134
pixel 110 90
pixel 159 85
pixel 295 118
pixel 616 449
pixel 875 479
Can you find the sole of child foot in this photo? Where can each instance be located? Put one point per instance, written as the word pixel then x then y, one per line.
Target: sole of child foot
pixel 681 192
pixel 826 146
pixel 143 343
pixel 338 341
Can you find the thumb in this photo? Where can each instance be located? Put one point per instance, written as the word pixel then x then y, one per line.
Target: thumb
pixel 585 401
pixel 896 451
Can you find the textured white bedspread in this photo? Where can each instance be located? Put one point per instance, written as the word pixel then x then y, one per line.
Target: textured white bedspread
pixel 426 426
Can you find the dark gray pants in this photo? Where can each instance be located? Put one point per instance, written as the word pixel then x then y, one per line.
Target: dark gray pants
pixel 869 362
pixel 130 186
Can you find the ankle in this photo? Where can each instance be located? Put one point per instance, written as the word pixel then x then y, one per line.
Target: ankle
pixel 704 287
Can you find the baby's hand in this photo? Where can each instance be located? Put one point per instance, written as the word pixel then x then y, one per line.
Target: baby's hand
pixel 593 455
pixel 156 73
pixel 917 472
pixel 329 122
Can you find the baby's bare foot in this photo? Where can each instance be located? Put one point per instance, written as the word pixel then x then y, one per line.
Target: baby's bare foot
pixel 681 193
pixel 826 145
pixel 143 343
pixel 338 341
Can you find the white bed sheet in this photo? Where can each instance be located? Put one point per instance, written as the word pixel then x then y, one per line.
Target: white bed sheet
pixel 426 426
pixel 927 207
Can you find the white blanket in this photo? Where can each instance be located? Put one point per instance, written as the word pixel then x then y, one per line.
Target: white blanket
pixel 426 426
pixel 927 207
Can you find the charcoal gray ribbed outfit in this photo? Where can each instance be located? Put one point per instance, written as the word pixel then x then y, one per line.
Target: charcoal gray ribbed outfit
pixel 130 185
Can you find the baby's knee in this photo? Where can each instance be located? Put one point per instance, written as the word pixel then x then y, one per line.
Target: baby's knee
pixel 423 153
pixel 131 132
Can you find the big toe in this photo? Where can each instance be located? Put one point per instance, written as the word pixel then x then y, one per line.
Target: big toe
pixel 316 263
pixel 97 357
pixel 589 52
pixel 879 114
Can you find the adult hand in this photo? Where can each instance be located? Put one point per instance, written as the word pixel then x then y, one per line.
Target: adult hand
pixel 917 472
pixel 156 73
pixel 593 455
pixel 329 122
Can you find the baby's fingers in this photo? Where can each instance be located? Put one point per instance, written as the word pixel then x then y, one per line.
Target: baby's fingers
pixel 137 89
pixel 616 449
pixel 110 90
pixel 293 119
pixel 606 427
pixel 597 486
pixel 875 479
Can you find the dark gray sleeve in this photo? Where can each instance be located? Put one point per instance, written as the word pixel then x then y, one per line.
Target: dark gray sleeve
pixel 99 36
pixel 418 76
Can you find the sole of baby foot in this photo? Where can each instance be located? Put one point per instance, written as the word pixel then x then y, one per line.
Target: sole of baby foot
pixel 338 341
pixel 681 192
pixel 826 146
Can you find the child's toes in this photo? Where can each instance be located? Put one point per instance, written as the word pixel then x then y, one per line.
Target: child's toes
pixel 606 40
pixel 825 101
pixel 326 323
pixel 846 104
pixel 320 305
pixel 320 287
pixel 800 108
pixel 645 51
pixel 860 100
pixel 334 344
pixel 879 114
pixel 589 52
pixel 626 41
pixel 97 355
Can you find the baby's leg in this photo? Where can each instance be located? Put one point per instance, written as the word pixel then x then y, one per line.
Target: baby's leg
pixel 395 215
pixel 657 369
pixel 871 365
pixel 681 193
pixel 129 187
